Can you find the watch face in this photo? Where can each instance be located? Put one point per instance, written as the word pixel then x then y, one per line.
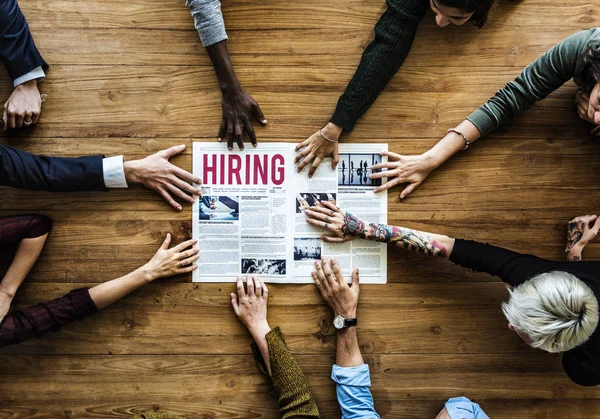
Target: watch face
pixel 338 322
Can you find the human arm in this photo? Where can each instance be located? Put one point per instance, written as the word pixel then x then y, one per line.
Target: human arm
pixel 238 106
pixel 28 234
pixel 271 352
pixel 580 231
pixel 511 267
pixel 42 318
pixel 350 373
pixel 24 65
pixel 394 33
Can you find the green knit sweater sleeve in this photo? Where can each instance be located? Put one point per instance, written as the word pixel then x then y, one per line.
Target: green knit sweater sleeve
pixel 394 33
pixel 295 399
pixel 538 80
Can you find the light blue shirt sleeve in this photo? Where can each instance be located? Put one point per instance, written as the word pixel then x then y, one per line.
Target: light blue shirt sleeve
pixel 208 20
pixel 352 387
pixel 463 408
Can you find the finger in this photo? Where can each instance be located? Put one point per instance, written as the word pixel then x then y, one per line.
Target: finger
pixel 387 165
pixel 327 211
pixel 389 154
pixel 314 166
pixel 238 135
pixel 387 185
pixel 321 224
pixel 169 199
pixel 258 287
pixel 184 245
pixel 250 285
pixel 320 273
pixel 408 190
pixel 185 186
pixel 378 175
pixel 222 130
pixel 318 216
pixel 302 144
pixel 355 279
pixel 335 158
pixel 315 278
pixel 5 118
pixel 328 272
pixel 235 304
pixel 187 269
pixel 250 131
pixel 335 239
pixel 19 117
pixel 28 119
pixel 258 114
pixel 11 120
pixel 189 261
pixel 337 271
pixel 35 116
pixel 166 242
pixel 265 290
pixel 302 155
pixel 186 254
pixel 178 192
pixel 330 205
pixel 305 161
pixel 186 176
pixel 171 151
pixel 229 134
pixel 240 287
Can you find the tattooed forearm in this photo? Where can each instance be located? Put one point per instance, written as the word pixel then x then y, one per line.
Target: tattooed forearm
pixel 406 238
pixel 353 226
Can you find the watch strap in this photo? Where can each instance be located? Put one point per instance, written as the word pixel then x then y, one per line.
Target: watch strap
pixel 350 322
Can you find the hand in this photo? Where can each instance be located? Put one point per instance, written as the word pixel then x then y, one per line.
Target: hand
pixel 156 173
pixel 580 231
pixel 402 169
pixel 345 225
pixel 251 306
pixel 341 297
pixel 238 108
pixel 315 148
pixel 177 260
pixel 585 110
pixel 5 301
pixel 23 107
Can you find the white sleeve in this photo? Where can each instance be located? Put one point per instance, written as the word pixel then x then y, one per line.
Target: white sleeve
pixel 36 73
pixel 114 172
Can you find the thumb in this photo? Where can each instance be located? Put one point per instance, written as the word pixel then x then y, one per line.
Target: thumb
pixel 355 279
pixel 408 190
pixel 171 151
pixel 166 243
pixel 235 304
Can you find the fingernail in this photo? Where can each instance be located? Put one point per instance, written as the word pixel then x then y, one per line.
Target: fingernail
pixel 254 145
pixel 182 146
pixel 220 140
pixel 229 148
pixel 179 207
pixel 316 263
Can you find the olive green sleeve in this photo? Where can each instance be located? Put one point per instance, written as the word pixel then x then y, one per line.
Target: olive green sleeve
pixel 538 80
pixel 295 399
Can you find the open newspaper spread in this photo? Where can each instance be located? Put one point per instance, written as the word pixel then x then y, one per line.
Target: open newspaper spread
pixel 250 218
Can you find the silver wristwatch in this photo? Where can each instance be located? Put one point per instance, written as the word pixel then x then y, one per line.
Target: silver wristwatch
pixel 340 322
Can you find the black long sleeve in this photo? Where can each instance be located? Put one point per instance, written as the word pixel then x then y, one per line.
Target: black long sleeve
pixel 394 34
pixel 17 49
pixel 23 170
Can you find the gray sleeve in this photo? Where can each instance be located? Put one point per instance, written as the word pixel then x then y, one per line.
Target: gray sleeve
pixel 208 20
pixel 538 80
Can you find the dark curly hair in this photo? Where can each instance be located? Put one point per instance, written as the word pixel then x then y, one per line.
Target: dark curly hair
pixel 479 8
pixel 589 75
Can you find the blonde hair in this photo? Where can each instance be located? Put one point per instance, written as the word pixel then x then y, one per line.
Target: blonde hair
pixel 556 310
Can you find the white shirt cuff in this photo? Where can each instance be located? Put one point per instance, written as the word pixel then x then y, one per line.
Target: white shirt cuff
pixel 36 73
pixel 114 172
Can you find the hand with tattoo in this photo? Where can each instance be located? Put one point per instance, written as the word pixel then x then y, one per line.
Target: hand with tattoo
pixel 580 231
pixel 347 227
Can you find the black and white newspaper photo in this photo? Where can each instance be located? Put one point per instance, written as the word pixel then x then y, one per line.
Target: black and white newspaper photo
pixel 250 218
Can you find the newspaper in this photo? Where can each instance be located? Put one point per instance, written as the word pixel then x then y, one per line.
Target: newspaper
pixel 250 218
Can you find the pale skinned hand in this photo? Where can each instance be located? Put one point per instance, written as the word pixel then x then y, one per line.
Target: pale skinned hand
pixel 580 231
pixel 315 148
pixel 156 173
pixel 343 224
pixel 177 260
pixel 410 170
pixel 23 107
pixel 341 297
pixel 585 110
pixel 239 108
pixel 250 306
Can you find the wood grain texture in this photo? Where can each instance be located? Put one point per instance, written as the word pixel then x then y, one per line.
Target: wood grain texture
pixel 132 78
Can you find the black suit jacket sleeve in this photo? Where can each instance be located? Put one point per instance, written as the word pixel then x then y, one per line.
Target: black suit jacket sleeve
pixel 17 49
pixel 23 170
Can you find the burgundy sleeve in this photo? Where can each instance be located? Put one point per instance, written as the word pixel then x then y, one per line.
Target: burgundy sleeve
pixel 35 321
